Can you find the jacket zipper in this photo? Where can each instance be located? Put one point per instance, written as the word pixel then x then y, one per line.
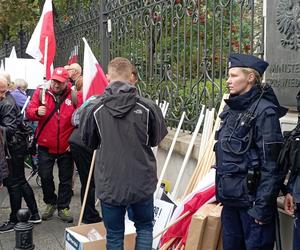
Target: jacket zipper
pixel 58 130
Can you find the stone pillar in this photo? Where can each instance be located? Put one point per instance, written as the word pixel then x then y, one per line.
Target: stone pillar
pixel 282 49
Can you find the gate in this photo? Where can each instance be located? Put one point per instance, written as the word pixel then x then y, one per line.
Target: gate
pixel 179 47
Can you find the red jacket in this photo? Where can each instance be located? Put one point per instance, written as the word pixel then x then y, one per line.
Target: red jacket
pixel 58 129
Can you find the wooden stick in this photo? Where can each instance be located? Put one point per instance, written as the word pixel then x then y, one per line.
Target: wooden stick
pixel 172 224
pixel 188 153
pixel 178 245
pixel 167 244
pixel 87 187
pixel 170 152
pixel 207 158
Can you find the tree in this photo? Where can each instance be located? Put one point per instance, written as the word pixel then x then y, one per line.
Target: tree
pixel 13 14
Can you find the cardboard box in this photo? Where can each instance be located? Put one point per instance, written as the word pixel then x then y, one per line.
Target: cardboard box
pixel 76 238
pixel 196 231
pixel 204 230
pixel 212 231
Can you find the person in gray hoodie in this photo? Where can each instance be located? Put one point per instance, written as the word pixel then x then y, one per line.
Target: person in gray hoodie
pixel 123 127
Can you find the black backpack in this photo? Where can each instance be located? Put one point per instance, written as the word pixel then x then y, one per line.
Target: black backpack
pixel 289 157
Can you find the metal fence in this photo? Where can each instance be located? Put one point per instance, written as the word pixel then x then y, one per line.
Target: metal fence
pixel 179 47
pixel 19 44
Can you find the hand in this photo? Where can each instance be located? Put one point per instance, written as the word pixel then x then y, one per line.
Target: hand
pixel 1 187
pixel 289 205
pixel 41 110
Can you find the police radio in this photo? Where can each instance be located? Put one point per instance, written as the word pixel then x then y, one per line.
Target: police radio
pixel 245 124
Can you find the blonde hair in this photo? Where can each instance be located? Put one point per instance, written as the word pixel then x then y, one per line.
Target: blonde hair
pixel 257 77
pixel 120 68
pixel 21 84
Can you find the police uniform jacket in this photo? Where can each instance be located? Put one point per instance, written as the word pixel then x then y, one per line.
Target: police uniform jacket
pixel 246 154
pixel 124 127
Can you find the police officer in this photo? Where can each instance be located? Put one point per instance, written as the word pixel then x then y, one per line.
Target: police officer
pixel 248 143
pixel 292 198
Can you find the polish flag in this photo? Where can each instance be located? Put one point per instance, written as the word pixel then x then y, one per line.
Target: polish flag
pixel 73 58
pixel 94 79
pixel 42 43
pixel 203 193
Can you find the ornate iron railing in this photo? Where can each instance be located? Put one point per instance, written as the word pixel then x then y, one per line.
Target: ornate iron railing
pixel 179 47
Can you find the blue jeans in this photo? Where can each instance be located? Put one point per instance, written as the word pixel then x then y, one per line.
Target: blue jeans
pixel 296 243
pixel 141 215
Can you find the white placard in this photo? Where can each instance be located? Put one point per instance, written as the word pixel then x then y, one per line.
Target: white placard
pixel 162 214
pixel 28 69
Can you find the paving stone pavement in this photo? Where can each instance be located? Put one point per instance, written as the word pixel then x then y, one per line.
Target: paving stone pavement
pixel 49 235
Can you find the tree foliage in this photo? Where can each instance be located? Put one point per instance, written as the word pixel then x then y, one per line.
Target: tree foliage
pixel 13 14
pixel 25 13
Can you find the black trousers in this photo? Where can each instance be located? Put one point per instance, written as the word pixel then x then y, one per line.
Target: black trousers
pixel 83 158
pixel 65 172
pixel 17 184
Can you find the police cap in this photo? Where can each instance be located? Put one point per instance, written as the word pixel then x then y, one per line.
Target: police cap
pixel 247 61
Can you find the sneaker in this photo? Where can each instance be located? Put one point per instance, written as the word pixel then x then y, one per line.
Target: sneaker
pixel 65 215
pixel 7 227
pixel 35 218
pixel 49 211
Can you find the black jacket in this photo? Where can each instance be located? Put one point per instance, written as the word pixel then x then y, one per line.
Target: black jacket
pixel 15 132
pixel 246 154
pixel 3 162
pixel 123 127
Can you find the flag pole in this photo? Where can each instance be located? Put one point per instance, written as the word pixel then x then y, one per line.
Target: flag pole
pixel 43 101
pixel 172 224
pixel 25 105
pixel 188 153
pixel 170 153
pixel 45 57
pixel 87 188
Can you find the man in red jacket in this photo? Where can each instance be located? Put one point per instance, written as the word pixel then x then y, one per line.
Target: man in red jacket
pixel 53 108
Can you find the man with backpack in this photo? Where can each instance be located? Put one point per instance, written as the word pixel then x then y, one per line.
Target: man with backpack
pixel 123 127
pixel 53 107
pixel 290 159
pixel 14 135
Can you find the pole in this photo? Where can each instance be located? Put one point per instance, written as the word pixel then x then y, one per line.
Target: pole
pixel 87 187
pixel 170 153
pixel 188 153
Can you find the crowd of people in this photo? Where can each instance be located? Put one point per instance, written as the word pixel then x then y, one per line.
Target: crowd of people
pixel 119 128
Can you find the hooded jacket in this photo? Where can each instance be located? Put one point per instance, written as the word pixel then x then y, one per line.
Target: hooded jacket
pixel 123 127
pixel 247 150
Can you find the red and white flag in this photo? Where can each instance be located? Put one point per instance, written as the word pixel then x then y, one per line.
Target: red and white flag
pixel 94 79
pixel 73 58
pixel 42 43
pixel 203 193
